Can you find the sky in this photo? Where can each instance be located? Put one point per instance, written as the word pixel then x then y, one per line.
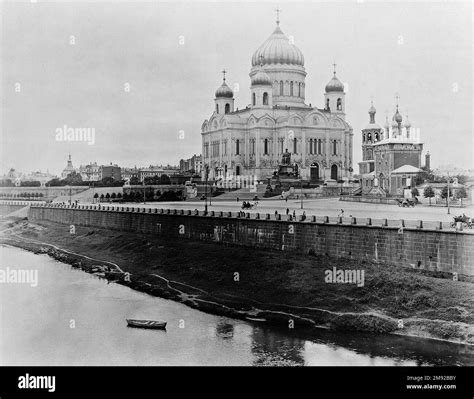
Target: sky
pixel 142 73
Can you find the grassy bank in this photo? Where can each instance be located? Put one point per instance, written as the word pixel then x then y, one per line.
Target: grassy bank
pixel 282 288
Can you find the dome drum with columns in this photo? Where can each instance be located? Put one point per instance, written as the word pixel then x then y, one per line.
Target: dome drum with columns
pixel 251 141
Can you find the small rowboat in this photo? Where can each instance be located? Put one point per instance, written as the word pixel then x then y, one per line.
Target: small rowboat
pixel 147 324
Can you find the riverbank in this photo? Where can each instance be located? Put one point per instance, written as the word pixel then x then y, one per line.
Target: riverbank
pixel 286 289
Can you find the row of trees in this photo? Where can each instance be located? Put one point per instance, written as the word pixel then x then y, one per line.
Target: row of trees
pixel 454 193
pixel 75 179
pixel 428 176
pixel 137 196
pixel 152 180
pixel 21 195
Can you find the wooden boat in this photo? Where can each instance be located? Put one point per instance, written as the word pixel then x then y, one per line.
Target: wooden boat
pixel 147 324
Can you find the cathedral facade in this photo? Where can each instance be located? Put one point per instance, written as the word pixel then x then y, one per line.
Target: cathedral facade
pixel 252 141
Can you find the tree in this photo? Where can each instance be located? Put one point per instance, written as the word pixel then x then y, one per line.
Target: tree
pixel 152 180
pixel 165 179
pixel 54 183
pixel 73 179
pixel 30 183
pixel 444 193
pixel 414 192
pixel 108 181
pixel 134 181
pixel 428 192
pixel 461 193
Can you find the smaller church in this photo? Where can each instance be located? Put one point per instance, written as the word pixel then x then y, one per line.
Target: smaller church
pixel 391 156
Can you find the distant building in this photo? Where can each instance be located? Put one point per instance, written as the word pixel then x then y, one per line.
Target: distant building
pixel 90 172
pixel 193 164
pixel 68 169
pixel 113 171
pixel 129 173
pixel 41 177
pixel 391 156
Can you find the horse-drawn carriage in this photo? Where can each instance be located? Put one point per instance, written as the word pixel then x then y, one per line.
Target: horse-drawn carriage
pixel 465 221
pixel 248 205
pixel 407 202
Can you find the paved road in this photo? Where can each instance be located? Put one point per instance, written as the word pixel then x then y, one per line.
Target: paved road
pixel 326 207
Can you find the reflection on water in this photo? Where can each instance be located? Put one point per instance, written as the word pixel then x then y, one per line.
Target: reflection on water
pixel 73 318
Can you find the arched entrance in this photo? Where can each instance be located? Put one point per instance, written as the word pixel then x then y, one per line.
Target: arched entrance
pixel 314 172
pixel 237 170
pixel 334 172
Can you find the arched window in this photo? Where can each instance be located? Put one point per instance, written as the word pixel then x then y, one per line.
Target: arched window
pixel 254 99
pixel 281 87
pixel 334 147
pixel 327 104
pixel 299 89
pixel 339 104
pixel 237 147
pixel 320 146
pixel 265 98
pixel 227 108
pixel 363 138
pixel 217 108
pixel 265 147
pixel 291 88
pixel 237 170
pixel 295 143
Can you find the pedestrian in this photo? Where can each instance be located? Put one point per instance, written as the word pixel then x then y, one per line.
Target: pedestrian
pixel 237 199
pixel 294 214
pixel 304 216
pixel 286 199
pixel 276 212
pixel 287 211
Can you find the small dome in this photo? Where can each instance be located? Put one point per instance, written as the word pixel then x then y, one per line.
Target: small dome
pixel 372 109
pixel 277 49
pixel 397 117
pixel 394 123
pixel 261 78
pixel 224 91
pixel 334 85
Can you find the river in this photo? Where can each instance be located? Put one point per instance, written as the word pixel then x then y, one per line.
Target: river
pixel 74 318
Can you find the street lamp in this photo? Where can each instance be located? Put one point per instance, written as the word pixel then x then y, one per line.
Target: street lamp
pixel 301 186
pixel 447 198
pixel 205 198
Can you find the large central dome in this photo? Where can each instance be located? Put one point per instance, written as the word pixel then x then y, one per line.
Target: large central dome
pixel 277 49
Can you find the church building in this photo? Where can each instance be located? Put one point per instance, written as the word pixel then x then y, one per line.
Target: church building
pixel 391 156
pixel 252 141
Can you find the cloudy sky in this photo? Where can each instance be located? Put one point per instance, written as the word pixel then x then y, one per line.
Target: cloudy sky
pixel 71 63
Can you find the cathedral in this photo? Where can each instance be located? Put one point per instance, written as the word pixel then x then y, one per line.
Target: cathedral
pixel 252 141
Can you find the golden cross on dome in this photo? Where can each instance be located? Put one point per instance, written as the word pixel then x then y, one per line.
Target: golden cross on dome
pixel 334 65
pixel 397 96
pixel 278 11
pixel 224 72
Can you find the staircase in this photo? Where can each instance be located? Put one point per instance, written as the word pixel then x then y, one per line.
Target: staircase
pixel 243 194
